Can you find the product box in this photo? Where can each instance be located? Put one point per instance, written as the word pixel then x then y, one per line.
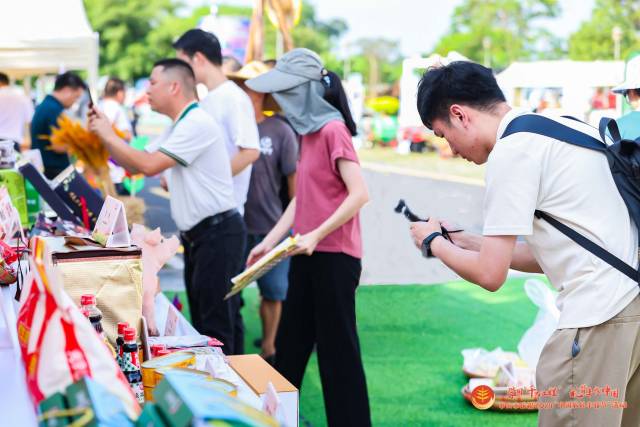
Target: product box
pixel 41 184
pixel 186 400
pixel 107 409
pixel 151 417
pixel 55 402
pixel 76 193
pixel 257 374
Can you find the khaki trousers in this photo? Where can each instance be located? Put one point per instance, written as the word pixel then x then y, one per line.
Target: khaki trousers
pixel 596 366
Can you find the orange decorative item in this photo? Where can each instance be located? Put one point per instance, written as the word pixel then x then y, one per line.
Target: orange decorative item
pixel 71 136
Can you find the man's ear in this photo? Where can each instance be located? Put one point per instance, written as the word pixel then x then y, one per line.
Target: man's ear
pixel 458 114
pixel 175 88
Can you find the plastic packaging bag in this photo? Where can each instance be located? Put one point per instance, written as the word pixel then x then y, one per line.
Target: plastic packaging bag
pixel 59 346
pixel 546 322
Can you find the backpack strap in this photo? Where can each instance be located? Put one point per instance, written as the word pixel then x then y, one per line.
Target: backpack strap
pixel 587 244
pixel 541 125
pixel 607 124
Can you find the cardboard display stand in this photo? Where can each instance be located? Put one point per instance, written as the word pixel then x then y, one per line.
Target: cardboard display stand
pixel 257 374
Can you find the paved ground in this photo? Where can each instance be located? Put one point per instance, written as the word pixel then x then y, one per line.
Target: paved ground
pixel 389 255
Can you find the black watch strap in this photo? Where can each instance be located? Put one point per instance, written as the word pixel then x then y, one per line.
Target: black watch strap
pixel 426 244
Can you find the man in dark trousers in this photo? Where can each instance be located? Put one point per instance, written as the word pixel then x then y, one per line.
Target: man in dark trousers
pixel 201 191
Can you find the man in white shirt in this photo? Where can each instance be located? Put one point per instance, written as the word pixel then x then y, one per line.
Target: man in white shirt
pixel 201 196
pixel 596 343
pixel 16 112
pixel 227 103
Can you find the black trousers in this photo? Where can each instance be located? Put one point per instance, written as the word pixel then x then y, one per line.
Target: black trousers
pixel 211 259
pixel 320 309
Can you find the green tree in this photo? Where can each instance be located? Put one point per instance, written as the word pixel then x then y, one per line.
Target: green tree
pixel 501 31
pixel 594 40
pixel 379 60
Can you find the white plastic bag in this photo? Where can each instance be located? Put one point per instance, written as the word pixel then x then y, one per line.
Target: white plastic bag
pixel 546 322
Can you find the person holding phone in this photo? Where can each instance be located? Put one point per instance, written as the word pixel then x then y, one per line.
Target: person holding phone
pixel 325 268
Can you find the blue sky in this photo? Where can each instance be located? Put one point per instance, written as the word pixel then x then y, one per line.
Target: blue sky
pixel 417 24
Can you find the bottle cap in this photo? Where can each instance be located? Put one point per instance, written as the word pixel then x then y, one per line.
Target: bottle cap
pixel 121 327
pixel 129 334
pixel 88 299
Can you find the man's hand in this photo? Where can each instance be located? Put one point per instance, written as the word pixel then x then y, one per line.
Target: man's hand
pixel 100 125
pixel 420 230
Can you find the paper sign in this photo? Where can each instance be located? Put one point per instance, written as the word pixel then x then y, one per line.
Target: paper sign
pixel 270 400
pixel 9 216
pixel 111 228
pixel 172 322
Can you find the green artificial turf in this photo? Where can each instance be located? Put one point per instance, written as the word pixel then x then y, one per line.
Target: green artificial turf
pixel 411 338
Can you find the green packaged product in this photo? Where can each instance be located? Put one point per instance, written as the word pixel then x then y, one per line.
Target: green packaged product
pixel 186 400
pixel 151 417
pixel 13 180
pixel 47 408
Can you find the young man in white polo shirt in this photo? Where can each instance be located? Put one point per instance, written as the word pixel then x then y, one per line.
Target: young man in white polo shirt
pixel 597 343
pixel 202 202
pixel 226 103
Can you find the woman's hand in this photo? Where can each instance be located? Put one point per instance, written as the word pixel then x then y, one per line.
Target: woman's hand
pixel 260 250
pixel 307 244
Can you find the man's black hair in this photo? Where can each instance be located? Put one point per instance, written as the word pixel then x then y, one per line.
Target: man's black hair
pixel 113 86
pixel 335 95
pixel 460 82
pixel 4 79
pixel 197 40
pixel 69 79
pixel 184 69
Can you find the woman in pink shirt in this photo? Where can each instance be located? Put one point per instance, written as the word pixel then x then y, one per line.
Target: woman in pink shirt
pixel 325 269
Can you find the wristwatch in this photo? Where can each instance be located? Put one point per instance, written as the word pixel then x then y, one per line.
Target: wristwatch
pixel 426 244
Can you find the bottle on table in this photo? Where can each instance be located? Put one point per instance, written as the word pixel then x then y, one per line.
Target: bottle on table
pixel 120 342
pixel 92 312
pixel 131 364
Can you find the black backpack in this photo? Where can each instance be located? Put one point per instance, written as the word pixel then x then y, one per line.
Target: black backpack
pixel 624 161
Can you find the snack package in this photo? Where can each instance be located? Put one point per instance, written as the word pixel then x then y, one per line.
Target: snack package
pixel 58 345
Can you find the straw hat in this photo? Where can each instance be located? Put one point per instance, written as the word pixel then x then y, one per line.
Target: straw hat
pixel 252 70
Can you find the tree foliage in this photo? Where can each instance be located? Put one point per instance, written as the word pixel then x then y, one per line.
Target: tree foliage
pixel 506 28
pixel 136 33
pixel 594 40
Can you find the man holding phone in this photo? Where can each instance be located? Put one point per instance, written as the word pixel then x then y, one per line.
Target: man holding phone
pixel 596 343
pixel 201 194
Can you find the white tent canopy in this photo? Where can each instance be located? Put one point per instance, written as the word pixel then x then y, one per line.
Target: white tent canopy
pixel 576 79
pixel 563 73
pixel 46 37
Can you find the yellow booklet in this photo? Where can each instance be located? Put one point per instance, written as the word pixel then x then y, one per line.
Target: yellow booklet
pixel 263 265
